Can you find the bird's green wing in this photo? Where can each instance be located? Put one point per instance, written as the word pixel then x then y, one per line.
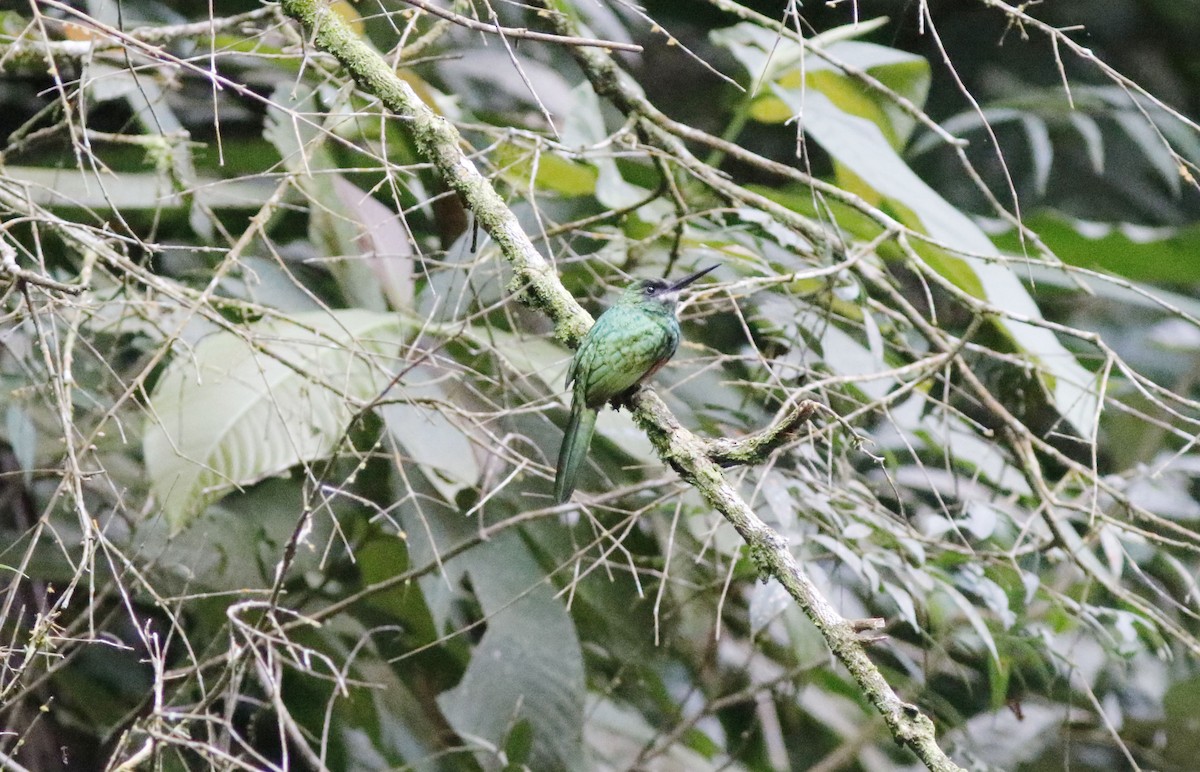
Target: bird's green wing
pixel 629 346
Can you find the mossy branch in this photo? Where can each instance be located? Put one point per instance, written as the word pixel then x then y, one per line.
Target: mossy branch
pixel 689 455
pixel 697 460
pixel 754 448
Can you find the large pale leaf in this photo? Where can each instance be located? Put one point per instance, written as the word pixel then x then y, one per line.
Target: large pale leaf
pixel 527 667
pixel 861 148
pixel 835 111
pixel 240 407
pixel 431 437
pixel 367 244
pixel 526 672
pixel 618 736
pixel 70 187
pixel 380 237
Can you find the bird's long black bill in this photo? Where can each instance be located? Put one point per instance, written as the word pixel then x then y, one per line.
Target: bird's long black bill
pixel 686 280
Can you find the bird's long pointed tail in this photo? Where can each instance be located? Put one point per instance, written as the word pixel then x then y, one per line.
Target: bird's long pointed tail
pixel 571 455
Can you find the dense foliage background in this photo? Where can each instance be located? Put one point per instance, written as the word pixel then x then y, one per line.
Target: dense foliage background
pixel 280 419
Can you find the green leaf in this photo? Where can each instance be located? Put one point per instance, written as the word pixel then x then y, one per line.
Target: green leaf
pixel 241 407
pixel 549 170
pixel 518 744
pixel 773 60
pixel 22 436
pixel 528 666
pixel 999 673
pixel 861 147
pixel 908 75
pixel 617 735
pixel 1134 251
pixel 1158 155
pixel 1179 723
pixel 584 129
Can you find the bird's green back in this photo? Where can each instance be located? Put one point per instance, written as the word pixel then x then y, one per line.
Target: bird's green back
pixel 627 343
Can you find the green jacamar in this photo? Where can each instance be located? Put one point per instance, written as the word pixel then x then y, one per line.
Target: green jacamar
pixel 626 345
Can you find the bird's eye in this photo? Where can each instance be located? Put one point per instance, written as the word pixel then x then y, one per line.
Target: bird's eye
pixel 650 290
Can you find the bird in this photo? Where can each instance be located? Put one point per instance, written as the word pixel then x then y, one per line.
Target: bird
pixel 627 344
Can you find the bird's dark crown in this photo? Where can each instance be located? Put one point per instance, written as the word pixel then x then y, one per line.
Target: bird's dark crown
pixel 664 292
pixel 652 287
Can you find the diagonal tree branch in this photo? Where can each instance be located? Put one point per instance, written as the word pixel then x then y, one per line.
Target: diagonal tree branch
pixel 440 143
pixel 535 279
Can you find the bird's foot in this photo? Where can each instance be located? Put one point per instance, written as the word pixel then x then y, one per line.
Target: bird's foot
pixel 624 399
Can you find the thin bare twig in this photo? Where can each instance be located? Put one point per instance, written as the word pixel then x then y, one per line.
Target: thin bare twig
pixel 520 32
